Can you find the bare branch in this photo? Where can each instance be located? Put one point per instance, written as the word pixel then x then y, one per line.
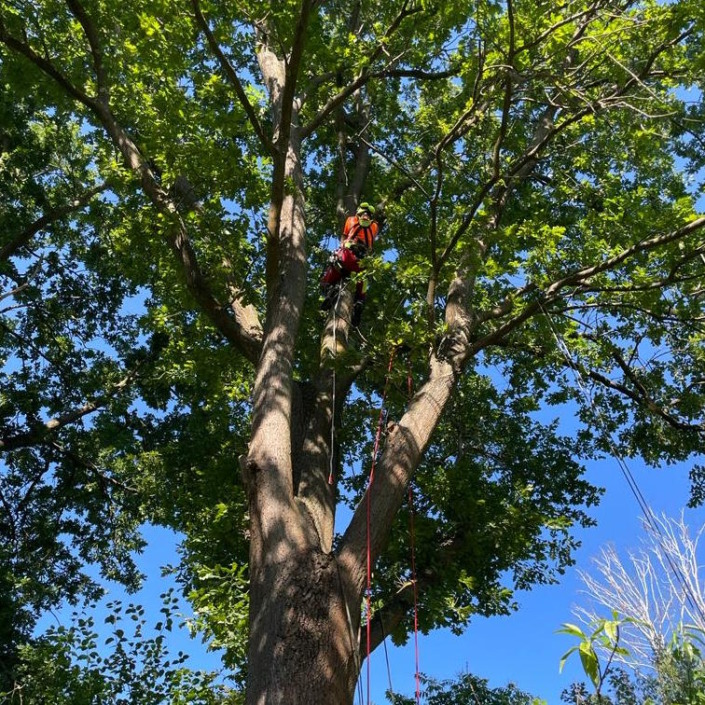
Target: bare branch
pixel 658 586
pixel 49 217
pixel 638 395
pixel 91 33
pixel 232 76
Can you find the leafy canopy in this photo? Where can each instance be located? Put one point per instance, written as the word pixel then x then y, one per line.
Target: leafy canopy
pixel 545 161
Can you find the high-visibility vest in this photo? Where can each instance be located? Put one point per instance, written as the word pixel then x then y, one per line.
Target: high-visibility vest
pixel 354 231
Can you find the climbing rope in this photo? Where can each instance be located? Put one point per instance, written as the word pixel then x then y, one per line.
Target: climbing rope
pixel 331 452
pixel 412 537
pixel 416 595
pixel 644 505
pixel 375 451
pixel 368 599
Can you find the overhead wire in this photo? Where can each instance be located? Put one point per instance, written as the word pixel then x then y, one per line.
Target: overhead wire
pixel 633 485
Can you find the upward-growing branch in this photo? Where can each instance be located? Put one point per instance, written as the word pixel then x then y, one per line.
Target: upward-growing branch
pixel 293 65
pixel 232 76
pixel 246 339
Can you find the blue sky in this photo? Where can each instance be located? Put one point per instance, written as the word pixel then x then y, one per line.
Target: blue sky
pixel 522 648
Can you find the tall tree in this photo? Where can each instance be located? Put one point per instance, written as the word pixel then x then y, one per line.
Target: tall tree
pixel 171 170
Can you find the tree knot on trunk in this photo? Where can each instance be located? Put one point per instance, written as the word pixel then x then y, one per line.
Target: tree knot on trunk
pixel 249 469
pixel 453 348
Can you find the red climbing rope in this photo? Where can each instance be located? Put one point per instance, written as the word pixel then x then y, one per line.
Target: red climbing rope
pixel 416 593
pixel 375 451
pixel 412 535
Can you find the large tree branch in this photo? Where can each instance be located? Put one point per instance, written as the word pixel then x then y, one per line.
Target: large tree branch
pixel 280 76
pixel 637 393
pixel 401 456
pixel 293 66
pixel 365 74
pixel 553 291
pixel 232 76
pixel 46 219
pixel 371 523
pixel 246 340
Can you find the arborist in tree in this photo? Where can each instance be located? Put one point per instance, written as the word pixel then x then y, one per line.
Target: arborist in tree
pixel 358 238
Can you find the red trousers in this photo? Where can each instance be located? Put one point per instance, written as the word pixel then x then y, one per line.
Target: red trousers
pixel 345 264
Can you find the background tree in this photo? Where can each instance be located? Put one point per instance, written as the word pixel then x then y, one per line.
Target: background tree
pixel 76 665
pixel 660 586
pixel 467 688
pixel 658 593
pixel 171 171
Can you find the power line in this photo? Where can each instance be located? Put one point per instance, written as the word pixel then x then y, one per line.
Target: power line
pixel 621 462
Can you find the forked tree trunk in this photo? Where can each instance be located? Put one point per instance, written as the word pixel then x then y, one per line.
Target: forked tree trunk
pixel 303 647
pixel 301 644
pixel 305 599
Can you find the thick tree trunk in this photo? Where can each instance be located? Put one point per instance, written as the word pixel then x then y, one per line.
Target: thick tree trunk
pixel 301 644
pixel 304 649
pixel 305 599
